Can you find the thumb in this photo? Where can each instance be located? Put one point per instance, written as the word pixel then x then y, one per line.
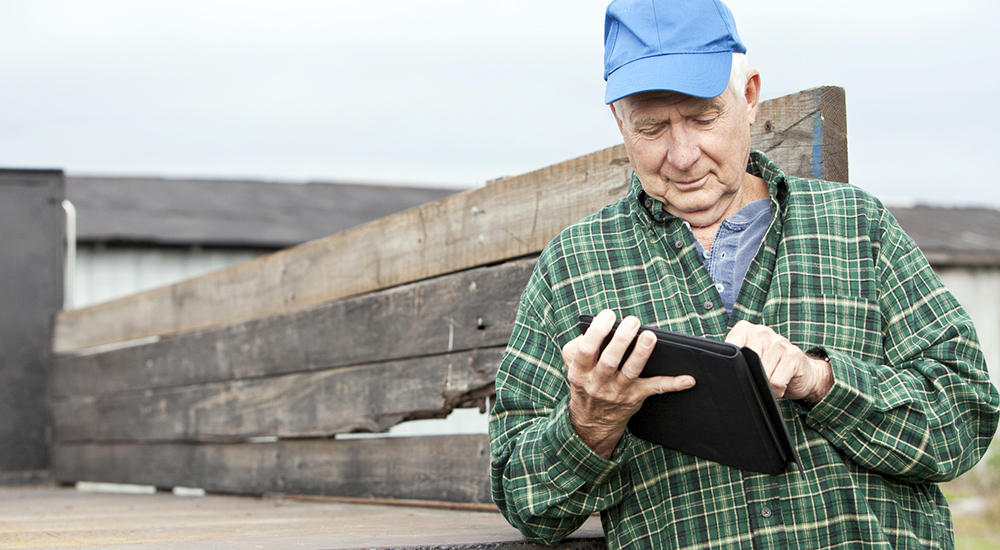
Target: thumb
pixel 670 384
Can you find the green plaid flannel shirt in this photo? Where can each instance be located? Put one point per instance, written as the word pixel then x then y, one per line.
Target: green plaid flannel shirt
pixel 912 404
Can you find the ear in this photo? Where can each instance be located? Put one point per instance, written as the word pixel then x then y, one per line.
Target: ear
pixel 752 94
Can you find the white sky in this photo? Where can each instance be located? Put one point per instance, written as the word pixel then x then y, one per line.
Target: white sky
pixel 457 92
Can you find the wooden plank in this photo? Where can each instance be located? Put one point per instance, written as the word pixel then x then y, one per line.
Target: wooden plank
pixel 456 312
pixel 805 133
pixel 453 468
pixel 507 219
pixel 369 398
pixel 510 218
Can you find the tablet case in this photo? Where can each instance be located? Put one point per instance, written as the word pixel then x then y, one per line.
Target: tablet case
pixel 730 416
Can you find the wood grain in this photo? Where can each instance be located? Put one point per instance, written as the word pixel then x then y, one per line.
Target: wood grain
pixel 456 312
pixel 805 133
pixel 451 468
pixel 510 218
pixel 368 398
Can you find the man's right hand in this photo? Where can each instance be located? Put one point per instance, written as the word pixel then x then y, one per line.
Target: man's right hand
pixel 602 397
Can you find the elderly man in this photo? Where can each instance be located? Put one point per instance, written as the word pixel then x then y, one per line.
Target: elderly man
pixel 878 371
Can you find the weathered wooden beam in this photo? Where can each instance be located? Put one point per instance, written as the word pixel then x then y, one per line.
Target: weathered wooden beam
pixel 456 312
pixel 805 133
pixel 451 468
pixel 369 398
pixel 507 219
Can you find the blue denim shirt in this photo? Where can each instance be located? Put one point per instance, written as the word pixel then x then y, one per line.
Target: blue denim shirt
pixel 734 248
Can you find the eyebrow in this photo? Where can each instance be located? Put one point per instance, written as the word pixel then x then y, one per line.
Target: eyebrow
pixel 713 103
pixel 705 106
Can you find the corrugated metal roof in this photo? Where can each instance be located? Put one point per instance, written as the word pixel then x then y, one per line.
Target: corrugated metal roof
pixel 953 236
pixel 229 212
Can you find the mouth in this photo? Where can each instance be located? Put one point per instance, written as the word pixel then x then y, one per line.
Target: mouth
pixel 682 184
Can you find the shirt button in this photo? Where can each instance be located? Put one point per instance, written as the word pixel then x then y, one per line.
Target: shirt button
pixel 709 304
pixel 678 244
pixel 648 203
pixel 720 287
pixel 766 512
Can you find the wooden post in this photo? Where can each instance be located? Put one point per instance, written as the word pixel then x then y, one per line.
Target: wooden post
pixel 31 260
pixel 805 133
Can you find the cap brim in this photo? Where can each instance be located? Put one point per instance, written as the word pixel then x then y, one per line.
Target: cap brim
pixel 695 74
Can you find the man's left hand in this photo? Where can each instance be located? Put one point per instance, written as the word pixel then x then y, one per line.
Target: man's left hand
pixel 793 373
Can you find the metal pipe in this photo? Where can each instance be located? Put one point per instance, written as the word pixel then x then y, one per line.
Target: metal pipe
pixel 69 275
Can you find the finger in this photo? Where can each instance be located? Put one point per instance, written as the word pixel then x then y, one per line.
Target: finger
pixel 614 354
pixel 664 384
pixel 781 376
pixel 771 355
pixel 765 343
pixel 588 347
pixel 636 362
pixel 569 350
pixel 739 333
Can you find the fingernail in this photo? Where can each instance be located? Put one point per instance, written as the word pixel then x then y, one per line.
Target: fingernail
pixel 686 383
pixel 647 339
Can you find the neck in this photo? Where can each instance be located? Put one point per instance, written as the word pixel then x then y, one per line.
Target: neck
pixel 753 189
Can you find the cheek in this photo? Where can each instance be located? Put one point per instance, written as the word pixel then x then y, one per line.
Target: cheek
pixel 732 151
pixel 645 156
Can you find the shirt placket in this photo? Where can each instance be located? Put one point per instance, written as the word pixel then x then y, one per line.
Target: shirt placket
pixel 765 512
pixel 703 295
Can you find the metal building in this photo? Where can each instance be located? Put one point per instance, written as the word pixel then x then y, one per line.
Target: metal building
pixel 134 234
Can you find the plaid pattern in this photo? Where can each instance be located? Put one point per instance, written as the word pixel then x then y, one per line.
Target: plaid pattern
pixel 912 403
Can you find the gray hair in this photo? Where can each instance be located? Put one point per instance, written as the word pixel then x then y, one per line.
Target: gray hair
pixel 739 75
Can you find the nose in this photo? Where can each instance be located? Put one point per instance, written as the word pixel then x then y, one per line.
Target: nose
pixel 683 148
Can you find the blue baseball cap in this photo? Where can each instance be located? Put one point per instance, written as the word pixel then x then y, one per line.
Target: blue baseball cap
pixel 683 46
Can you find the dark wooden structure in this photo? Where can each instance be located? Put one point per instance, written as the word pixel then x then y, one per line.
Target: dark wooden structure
pixel 31 252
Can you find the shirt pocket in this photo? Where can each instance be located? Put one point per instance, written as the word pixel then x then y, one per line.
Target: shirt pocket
pixel 848 324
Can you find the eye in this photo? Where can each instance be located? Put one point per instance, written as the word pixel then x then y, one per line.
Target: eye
pixel 649 131
pixel 705 120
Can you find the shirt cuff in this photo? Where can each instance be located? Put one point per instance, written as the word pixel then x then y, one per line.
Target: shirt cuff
pixel 848 402
pixel 576 463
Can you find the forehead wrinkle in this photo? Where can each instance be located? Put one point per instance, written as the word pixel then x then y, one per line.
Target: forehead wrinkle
pixel 709 104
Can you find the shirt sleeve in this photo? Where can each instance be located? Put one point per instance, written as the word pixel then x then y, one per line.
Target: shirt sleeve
pixel 546 480
pixel 929 412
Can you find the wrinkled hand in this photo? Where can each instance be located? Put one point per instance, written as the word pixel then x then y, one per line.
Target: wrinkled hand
pixel 792 373
pixel 602 397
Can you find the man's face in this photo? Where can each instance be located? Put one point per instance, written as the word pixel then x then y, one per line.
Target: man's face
pixel 690 153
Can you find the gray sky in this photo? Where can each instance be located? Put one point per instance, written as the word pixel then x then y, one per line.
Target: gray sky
pixel 454 93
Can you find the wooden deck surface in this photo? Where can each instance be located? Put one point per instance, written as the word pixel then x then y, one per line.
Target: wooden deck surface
pixel 59 517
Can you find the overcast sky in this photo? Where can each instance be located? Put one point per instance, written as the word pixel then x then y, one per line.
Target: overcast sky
pixel 455 93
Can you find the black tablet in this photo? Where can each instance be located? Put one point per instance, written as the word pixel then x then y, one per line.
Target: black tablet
pixel 730 416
